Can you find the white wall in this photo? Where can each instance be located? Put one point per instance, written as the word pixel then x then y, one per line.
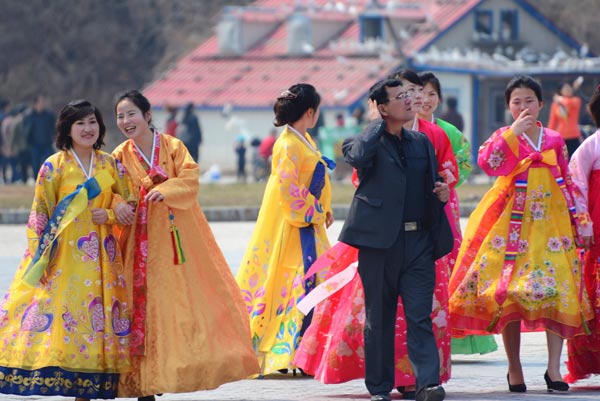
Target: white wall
pixel 219 133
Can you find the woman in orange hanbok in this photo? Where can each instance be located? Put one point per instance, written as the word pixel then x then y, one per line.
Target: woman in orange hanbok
pixel 189 326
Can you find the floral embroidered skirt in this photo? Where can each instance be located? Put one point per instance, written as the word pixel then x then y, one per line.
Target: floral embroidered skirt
pixel 543 289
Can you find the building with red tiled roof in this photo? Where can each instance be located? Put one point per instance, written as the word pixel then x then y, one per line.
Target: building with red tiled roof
pixel 343 47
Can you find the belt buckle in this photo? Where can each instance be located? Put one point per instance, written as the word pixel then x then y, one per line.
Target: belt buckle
pixel 410 226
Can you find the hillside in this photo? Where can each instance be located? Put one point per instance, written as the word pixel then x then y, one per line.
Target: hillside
pixel 93 49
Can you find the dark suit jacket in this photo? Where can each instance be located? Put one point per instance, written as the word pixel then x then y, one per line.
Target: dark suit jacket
pixel 377 210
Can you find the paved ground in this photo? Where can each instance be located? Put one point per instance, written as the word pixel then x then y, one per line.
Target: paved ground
pixel 481 378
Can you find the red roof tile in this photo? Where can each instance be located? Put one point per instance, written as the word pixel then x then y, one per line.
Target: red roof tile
pixel 256 78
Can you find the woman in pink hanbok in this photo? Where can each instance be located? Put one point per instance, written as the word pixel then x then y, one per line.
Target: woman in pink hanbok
pixel 584 351
pixel 518 266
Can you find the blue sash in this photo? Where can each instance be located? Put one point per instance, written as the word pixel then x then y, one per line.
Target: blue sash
pixel 307 234
pixel 64 213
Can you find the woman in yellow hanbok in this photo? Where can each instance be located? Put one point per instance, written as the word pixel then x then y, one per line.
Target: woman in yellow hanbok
pixel 64 323
pixel 189 327
pixel 289 235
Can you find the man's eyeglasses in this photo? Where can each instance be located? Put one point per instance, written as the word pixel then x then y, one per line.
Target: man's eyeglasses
pixel 401 96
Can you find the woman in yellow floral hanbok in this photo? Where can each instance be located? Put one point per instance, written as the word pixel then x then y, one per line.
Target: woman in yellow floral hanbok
pixel 518 265
pixel 64 323
pixel 289 235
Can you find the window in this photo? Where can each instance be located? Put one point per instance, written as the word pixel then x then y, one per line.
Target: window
pixel 509 25
pixel 371 27
pixel 484 24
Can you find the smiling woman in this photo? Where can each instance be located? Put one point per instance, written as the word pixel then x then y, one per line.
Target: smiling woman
pixel 182 290
pixel 65 312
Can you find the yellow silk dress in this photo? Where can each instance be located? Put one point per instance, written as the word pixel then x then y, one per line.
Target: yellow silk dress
pixel 271 273
pixel 69 334
pixel 197 333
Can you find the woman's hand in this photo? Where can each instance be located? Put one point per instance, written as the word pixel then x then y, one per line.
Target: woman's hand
pixel 99 216
pixel 588 240
pixel 442 191
pixel 154 196
pixel 523 122
pixel 125 214
pixel 328 219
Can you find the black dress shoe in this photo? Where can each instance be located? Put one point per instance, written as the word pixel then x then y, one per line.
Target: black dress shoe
pixel 435 393
pixel 381 397
pixel 406 395
pixel 516 388
pixel 555 386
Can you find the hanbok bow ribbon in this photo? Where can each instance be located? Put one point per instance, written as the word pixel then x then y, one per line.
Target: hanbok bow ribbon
pixel 64 213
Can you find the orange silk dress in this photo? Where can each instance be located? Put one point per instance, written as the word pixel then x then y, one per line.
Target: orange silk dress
pixel 197 334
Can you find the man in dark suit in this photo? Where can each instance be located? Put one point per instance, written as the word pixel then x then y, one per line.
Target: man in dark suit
pixel 391 221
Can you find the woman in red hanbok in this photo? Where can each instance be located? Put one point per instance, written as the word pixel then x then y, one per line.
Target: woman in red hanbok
pixel 332 347
pixel 584 351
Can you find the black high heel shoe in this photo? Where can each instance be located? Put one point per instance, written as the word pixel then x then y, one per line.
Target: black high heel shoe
pixel 516 388
pixel 555 386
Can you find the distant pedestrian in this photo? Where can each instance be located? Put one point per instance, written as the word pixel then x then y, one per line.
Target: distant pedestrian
pixel 189 131
pixel 171 125
pixel 564 114
pixel 17 144
pixel 452 115
pixel 4 159
pixel 240 153
pixel 518 266
pixel 38 128
pixel 289 235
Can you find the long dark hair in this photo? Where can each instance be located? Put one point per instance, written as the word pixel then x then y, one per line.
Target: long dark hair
pixel 72 112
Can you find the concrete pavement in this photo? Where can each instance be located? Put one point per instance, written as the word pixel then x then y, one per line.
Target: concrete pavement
pixel 480 377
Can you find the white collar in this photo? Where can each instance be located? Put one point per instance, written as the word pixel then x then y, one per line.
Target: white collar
pixel 88 173
pixel 537 147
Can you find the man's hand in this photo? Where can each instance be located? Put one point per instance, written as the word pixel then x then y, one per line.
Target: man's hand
pixel 373 110
pixel 99 216
pixel 125 214
pixel 328 219
pixel 442 190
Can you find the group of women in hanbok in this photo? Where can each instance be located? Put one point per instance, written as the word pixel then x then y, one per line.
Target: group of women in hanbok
pixel 122 284
pixel 517 266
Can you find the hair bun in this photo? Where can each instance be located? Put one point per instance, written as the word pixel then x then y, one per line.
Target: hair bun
pixel 287 95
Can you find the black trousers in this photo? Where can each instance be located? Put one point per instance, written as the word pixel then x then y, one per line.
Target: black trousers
pixel 407 270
